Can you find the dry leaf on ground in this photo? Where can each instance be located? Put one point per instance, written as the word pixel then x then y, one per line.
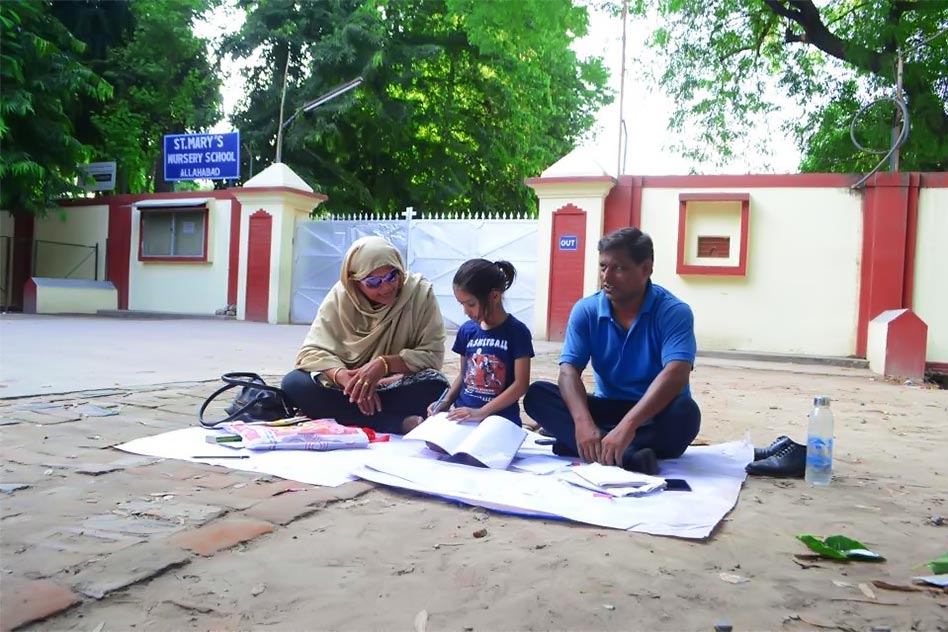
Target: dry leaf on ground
pixel 733 579
pixel 421 621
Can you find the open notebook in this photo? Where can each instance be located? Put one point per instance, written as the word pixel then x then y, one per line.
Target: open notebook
pixel 491 443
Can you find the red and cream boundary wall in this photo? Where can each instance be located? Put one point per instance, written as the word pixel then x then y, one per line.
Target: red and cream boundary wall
pixel 811 261
pixel 249 247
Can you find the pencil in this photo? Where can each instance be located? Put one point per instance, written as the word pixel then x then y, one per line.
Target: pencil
pixel 441 399
pixel 222 456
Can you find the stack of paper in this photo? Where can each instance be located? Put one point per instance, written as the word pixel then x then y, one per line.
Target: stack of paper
pixel 612 480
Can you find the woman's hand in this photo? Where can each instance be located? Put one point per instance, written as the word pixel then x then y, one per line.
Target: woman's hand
pixel 360 384
pixel 367 400
pixel 389 379
pixel 464 413
pixel 371 405
pixel 365 376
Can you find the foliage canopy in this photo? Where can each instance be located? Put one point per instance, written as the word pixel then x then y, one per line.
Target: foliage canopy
pixel 461 99
pixel 727 63
pixel 91 80
pixel 41 73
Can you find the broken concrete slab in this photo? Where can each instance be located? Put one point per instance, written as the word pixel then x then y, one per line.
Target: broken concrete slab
pixel 135 461
pixel 96 469
pixel 9 488
pixel 92 410
pixel 127 567
pixel 130 525
pixel 48 417
pixel 177 512
pixel 77 539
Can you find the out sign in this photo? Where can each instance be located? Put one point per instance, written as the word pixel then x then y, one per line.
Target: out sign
pixel 569 242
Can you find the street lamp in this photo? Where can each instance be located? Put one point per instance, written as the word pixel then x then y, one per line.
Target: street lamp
pixel 250 155
pixel 307 107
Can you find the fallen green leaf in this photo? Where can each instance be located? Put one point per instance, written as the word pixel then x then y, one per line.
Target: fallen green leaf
pixel 939 565
pixel 817 546
pixel 839 547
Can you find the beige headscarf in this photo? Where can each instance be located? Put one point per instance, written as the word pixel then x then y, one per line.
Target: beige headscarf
pixel 349 331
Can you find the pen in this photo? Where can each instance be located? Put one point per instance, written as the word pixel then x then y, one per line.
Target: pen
pixel 441 399
pixel 222 456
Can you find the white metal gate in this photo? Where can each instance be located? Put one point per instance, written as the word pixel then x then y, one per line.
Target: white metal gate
pixel 433 247
pixel 318 250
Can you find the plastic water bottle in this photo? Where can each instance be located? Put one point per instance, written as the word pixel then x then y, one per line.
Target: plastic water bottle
pixel 819 443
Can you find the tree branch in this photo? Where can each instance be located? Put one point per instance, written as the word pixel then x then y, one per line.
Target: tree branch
pixel 764 32
pixel 815 32
pixel 894 17
pixel 781 9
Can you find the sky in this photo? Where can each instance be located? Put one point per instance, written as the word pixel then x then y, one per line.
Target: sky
pixel 646 108
pixel 647 111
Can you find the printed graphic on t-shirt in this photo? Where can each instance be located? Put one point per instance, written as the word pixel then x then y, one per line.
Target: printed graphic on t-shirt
pixel 486 374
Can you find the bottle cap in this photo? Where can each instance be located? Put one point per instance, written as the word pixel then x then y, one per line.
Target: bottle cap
pixel 821 401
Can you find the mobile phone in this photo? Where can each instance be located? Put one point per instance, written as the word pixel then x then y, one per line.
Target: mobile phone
pixel 677 485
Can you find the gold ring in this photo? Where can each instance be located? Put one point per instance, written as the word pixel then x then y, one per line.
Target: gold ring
pixel 364 382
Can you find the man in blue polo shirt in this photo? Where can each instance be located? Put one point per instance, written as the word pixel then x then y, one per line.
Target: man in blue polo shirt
pixel 641 341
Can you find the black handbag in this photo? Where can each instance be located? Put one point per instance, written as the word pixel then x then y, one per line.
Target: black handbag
pixel 257 400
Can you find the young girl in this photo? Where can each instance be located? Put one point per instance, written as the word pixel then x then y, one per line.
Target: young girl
pixel 495 347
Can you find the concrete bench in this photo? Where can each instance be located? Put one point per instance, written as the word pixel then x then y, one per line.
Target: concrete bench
pixel 43 295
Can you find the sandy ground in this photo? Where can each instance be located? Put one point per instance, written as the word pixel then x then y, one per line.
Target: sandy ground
pixel 376 560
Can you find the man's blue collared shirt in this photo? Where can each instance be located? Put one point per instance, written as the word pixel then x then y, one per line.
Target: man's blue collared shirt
pixel 626 362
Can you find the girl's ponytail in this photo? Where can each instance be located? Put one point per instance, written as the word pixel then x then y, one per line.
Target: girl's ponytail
pixel 510 273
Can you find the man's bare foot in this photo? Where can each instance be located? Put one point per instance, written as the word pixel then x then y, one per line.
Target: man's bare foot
pixel 410 423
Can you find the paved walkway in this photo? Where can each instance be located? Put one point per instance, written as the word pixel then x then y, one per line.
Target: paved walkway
pixel 112 541
pixel 65 354
pixel 58 354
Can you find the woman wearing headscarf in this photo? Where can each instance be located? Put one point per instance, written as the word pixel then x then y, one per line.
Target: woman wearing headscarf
pixel 374 352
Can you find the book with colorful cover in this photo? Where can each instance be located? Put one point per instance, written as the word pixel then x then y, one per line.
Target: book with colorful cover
pixel 315 434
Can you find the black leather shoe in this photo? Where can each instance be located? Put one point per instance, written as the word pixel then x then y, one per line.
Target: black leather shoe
pixel 643 461
pixel 789 462
pixel 762 453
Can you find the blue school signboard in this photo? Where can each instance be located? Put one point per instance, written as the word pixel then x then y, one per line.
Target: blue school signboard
pixel 202 156
pixel 569 242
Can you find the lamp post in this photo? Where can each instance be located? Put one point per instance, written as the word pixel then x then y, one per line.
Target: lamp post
pixel 307 107
pixel 249 155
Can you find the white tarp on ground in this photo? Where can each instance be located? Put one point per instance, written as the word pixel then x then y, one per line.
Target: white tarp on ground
pixel 715 474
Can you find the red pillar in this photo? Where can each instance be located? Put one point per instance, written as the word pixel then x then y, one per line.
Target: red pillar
pixel 119 247
pixel 887 247
pixel 259 239
pixel 233 264
pixel 22 264
pixel 623 205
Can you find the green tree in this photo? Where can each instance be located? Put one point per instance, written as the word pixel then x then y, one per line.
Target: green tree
pixel 729 65
pixel 40 74
pixel 164 81
pixel 461 99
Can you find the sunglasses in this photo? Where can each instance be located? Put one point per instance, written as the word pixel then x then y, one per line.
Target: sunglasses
pixel 373 282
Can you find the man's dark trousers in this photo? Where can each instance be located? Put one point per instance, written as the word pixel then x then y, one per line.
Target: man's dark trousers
pixel 668 433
